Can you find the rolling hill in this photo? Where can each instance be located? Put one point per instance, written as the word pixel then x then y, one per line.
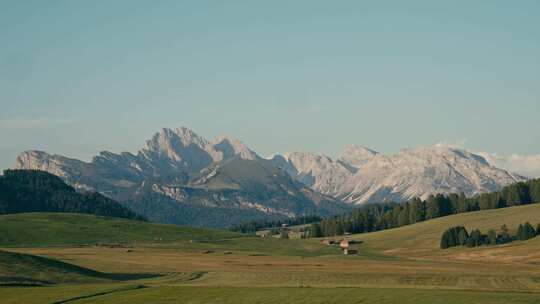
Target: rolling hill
pixel 39 191
pixel 421 240
pixel 19 269
pixel 46 229
pixel 401 265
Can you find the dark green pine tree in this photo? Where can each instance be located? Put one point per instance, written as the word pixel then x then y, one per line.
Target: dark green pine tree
pixel 492 237
pixel 463 236
pixel 433 209
pixel 454 236
pixel 504 235
pixel 519 233
pixel 417 210
pixel 463 204
pixel 534 190
pixel 446 239
pixel 315 230
pixel 475 239
pixel 527 232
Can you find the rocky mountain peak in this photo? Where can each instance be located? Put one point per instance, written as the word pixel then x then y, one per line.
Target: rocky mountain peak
pixel 319 172
pixel 356 156
pixel 233 148
pixel 423 171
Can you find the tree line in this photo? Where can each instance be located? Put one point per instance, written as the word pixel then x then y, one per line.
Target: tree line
pixel 255 225
pixel 375 217
pixel 459 236
pixel 39 191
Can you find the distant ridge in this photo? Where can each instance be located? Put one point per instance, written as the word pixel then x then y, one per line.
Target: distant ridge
pixel 39 191
pixel 361 175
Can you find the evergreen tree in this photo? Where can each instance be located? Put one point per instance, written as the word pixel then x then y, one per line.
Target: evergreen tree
pixel 315 230
pixel 417 210
pixel 446 240
pixel 504 236
pixel 463 236
pixel 492 237
pixel 519 233
pixel 475 239
pixel 433 209
pixel 403 216
pixel 454 236
pixel 463 205
pixel 527 232
pixel 534 189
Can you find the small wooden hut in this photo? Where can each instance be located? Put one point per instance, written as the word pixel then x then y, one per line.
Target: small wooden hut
pixel 344 244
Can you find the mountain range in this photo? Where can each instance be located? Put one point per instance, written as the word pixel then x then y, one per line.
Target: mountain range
pixel 180 177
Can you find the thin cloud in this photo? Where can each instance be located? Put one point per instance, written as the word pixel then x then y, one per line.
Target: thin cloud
pixel 453 144
pixel 33 123
pixel 527 165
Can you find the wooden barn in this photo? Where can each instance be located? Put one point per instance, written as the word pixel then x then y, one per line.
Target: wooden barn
pixel 345 245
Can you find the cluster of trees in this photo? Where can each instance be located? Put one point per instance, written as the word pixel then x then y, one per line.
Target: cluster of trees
pixel 459 236
pixel 39 191
pixel 374 217
pixel 253 226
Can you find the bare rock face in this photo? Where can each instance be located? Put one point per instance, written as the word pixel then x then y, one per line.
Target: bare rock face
pixel 319 172
pixel 423 171
pixel 361 175
pixel 232 148
pixel 355 157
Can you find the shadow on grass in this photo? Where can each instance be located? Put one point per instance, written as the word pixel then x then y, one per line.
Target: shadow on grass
pixel 29 270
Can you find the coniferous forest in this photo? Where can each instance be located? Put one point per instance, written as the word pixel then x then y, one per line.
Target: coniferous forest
pixel 253 226
pixel 39 191
pixel 459 236
pixel 375 217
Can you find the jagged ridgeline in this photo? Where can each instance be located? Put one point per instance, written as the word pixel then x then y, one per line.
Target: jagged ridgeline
pixel 179 177
pixel 39 191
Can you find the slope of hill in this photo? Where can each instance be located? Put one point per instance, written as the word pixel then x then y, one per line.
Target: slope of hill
pixel 423 239
pixel 19 269
pixel 38 229
pixel 39 191
pixel 393 266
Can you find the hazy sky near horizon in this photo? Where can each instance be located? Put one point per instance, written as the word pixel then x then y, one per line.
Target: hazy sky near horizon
pixel 78 77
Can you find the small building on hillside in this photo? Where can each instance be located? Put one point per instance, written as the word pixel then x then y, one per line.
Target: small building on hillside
pixel 284 231
pixel 345 245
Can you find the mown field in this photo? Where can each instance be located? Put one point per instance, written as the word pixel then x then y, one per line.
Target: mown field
pixel 132 262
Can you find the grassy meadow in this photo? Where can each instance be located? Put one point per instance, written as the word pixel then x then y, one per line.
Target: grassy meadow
pixel 66 258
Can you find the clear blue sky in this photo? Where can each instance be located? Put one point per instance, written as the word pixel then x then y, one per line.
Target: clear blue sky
pixel 78 77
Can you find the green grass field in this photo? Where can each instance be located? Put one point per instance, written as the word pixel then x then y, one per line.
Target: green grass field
pixel 46 229
pixel 87 259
